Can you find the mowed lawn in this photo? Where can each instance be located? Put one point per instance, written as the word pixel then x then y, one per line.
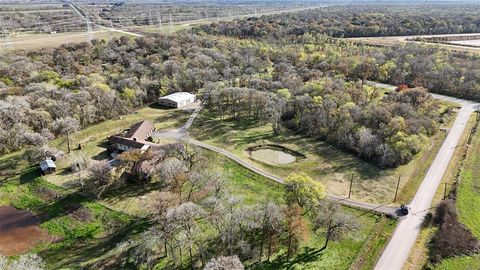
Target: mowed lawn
pixel 93 139
pixel 326 163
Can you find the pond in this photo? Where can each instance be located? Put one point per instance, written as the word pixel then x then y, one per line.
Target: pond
pixel 273 156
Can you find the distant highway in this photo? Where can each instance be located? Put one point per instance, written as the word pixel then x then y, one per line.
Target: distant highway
pixel 396 253
pixel 387 41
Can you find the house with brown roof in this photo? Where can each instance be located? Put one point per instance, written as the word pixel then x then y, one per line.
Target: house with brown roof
pixel 135 138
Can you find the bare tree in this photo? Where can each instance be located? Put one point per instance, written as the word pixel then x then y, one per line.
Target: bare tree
pixel 296 228
pixel 160 204
pixel 3 262
pixel 334 223
pixel 224 263
pixel 272 225
pixel 100 177
pixel 78 165
pixel 26 262
pixel 184 218
pixel 66 126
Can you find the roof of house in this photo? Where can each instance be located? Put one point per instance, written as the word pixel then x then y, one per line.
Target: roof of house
pixel 46 164
pixel 125 141
pixel 140 130
pixel 178 96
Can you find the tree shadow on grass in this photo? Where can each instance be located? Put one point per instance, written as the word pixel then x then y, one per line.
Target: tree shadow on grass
pixel 59 207
pixel 30 175
pixel 77 251
pixel 307 255
pixel 131 190
pixel 11 167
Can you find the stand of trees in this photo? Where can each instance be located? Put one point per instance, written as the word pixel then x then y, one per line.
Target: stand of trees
pixel 437 69
pixel 60 90
pixel 198 223
pixel 357 21
pixel 388 129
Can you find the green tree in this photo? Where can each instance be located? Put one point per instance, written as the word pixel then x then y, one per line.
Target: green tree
pixel 304 191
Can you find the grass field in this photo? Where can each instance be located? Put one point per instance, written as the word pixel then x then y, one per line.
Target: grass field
pixel 323 162
pixel 80 243
pixel 460 263
pixel 468 191
pixel 32 41
pixel 70 219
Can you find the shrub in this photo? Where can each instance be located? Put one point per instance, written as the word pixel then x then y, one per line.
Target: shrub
pixel 453 238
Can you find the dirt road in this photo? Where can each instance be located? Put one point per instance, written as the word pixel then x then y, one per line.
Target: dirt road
pixel 389 211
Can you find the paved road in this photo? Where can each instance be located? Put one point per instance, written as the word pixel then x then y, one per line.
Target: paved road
pixel 181 132
pixel 398 249
pixel 389 41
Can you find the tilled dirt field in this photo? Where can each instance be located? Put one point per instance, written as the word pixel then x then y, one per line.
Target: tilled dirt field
pixel 19 231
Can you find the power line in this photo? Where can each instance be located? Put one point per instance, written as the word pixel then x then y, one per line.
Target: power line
pixel 89 29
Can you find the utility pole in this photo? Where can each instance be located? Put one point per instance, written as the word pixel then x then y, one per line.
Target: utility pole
pixel 150 22
pixel 159 20
pixel 445 191
pixel 396 190
pixel 111 28
pixel 89 29
pixel 171 23
pixel 5 42
pixel 351 183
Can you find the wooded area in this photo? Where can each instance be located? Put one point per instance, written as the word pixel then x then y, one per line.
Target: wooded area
pixel 359 21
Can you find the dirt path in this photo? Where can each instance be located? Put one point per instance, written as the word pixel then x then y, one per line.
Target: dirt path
pixel 383 209
pixel 19 231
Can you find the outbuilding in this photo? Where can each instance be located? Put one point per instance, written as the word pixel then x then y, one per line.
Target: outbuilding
pixel 47 166
pixel 177 100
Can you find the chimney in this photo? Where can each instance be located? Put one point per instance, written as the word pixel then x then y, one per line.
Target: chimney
pixel 134 139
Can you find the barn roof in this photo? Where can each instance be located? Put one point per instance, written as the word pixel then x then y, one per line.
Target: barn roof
pixel 46 164
pixel 178 96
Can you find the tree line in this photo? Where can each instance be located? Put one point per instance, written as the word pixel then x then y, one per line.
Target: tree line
pixel 386 128
pixel 359 20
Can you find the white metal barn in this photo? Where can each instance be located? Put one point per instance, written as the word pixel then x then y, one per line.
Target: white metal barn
pixel 177 100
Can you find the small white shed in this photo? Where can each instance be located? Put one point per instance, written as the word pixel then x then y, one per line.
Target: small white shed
pixel 177 100
pixel 47 166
